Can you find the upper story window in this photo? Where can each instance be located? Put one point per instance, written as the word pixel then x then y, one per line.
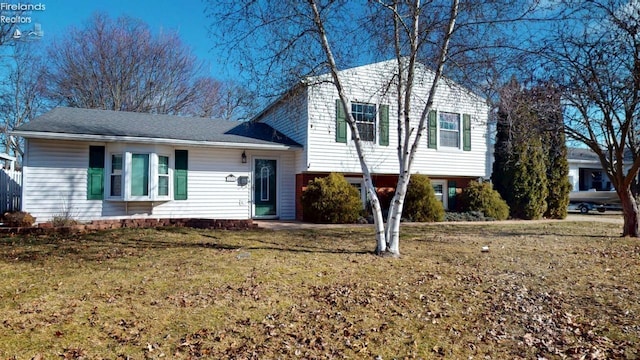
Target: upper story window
pixel 365 117
pixel 449 129
pixel 369 119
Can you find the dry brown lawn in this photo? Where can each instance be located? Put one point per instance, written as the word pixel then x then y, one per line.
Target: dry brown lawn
pixel 544 290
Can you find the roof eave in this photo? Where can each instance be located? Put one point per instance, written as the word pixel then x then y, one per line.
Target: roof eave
pixel 147 140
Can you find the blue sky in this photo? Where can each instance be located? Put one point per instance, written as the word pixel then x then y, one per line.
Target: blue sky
pixel 185 17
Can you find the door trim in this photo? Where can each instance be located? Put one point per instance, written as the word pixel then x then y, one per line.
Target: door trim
pixel 254 183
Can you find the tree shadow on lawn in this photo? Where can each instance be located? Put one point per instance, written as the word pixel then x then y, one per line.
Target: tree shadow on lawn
pixel 299 248
pixel 105 245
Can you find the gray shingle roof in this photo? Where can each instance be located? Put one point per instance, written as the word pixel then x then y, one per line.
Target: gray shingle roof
pixel 64 120
pixel 590 155
pixel 581 154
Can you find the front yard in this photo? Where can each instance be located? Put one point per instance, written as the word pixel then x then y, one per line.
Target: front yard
pixel 552 290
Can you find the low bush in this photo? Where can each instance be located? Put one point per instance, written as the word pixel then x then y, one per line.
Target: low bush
pixel 62 221
pixel 420 203
pixel 331 200
pixel 482 197
pixel 18 219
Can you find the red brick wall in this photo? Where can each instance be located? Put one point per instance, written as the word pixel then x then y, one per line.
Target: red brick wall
pixel 44 228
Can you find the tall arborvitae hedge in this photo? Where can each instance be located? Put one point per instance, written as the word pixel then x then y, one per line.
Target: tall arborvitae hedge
pixel 502 175
pixel 529 192
pixel 530 170
pixel 555 147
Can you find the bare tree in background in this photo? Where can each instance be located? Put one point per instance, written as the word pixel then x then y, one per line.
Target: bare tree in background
pixel 595 57
pixel 120 65
pixel 288 41
pixel 224 100
pixel 22 91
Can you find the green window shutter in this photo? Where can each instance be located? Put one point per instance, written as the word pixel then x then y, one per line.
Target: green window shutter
pixel 180 175
pixel 466 132
pixel 433 130
pixel 384 125
pixel 341 123
pixel 95 173
pixel 452 194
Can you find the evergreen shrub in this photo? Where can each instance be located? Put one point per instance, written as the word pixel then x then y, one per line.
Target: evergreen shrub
pixel 420 202
pixel 331 200
pixel 482 197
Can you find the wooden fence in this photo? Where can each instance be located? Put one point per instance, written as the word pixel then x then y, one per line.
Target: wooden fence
pixel 10 190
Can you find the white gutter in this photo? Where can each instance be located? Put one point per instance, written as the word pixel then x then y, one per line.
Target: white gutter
pixel 147 140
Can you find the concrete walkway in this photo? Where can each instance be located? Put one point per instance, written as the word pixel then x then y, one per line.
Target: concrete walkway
pixel 608 217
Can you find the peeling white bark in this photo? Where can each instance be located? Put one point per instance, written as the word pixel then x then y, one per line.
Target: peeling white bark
pixel 388 237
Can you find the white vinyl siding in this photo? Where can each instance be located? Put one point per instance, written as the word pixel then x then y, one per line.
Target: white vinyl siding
pixel 290 116
pixel 369 84
pixel 55 181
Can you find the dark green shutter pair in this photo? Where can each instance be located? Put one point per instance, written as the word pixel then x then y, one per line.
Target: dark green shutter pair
pixel 95 176
pixel 341 124
pixel 433 131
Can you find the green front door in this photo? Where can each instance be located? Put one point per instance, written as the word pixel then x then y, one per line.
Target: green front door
pixel 264 187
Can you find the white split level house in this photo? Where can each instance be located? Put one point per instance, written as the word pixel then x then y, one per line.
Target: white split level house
pixel 97 164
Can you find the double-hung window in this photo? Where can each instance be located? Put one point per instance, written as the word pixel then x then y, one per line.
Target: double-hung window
pixel 450 129
pixel 116 175
pixel 365 117
pixel 163 175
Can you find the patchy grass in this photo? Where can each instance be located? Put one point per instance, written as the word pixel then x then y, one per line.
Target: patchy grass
pixel 551 290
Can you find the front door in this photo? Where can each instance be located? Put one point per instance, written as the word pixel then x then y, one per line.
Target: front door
pixel 264 188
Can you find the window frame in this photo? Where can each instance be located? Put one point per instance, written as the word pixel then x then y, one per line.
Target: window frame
pixel 152 178
pixel 130 177
pixel 359 118
pixel 441 196
pixel 166 175
pixel 112 173
pixel 358 183
pixel 445 129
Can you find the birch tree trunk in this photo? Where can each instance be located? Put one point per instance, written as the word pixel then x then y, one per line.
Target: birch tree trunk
pixel 406 149
pixel 381 241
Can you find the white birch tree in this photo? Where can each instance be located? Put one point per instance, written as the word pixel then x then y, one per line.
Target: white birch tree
pixel 299 39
